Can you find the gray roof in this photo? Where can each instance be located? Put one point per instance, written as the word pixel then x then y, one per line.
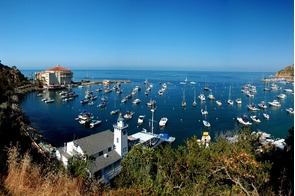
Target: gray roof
pixel 95 143
pixel 102 161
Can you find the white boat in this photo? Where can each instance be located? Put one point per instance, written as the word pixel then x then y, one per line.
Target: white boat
pixel 255 118
pixel 229 101
pixel 202 97
pixel 160 92
pixel 219 103
pixel 274 103
pixel 282 96
pixel 204 111
pixel 49 100
pixel 288 90
pixel 136 101
pixel 206 123
pixel 266 116
pixel 151 103
pixel 114 112
pixel 194 103
pixel 163 122
pixel 123 100
pixel 239 101
pixel 244 120
pixel 128 115
pixel 183 103
pixel 140 119
pixel 262 105
pixel 193 82
pixel 290 110
pixel 94 123
pixel 210 96
pixel 252 107
pixel 44 99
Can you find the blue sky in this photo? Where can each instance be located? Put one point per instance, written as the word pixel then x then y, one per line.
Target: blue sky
pixel 199 35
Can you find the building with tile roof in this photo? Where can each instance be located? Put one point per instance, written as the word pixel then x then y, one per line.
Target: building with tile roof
pixel 55 77
pixel 106 148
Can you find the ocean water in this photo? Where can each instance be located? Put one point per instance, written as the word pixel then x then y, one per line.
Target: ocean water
pixel 56 121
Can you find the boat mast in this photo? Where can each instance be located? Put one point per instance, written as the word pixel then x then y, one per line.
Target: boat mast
pixel 152 110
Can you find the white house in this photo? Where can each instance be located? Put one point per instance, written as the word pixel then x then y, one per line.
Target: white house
pixel 107 148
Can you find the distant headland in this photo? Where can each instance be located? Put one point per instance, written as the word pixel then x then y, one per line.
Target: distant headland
pixel 287 72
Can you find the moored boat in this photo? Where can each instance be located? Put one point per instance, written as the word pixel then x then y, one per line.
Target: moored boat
pixel 255 118
pixel 262 105
pixel 266 116
pixel 163 121
pixel 94 123
pixel 244 120
pixel 274 103
pixel 140 119
pixel 290 110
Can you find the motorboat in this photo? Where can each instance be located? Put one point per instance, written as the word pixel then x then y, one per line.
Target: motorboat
pixel 262 105
pixel 210 96
pixel 282 96
pixel 219 103
pixel 83 101
pixel 123 100
pixel 49 100
pixel 252 107
pixel 288 90
pixel 206 123
pixel 274 103
pixel 230 102
pixel 239 101
pixel 266 116
pixel 128 115
pixel 255 118
pixel 160 92
pixel 140 119
pixel 94 123
pixel 151 103
pixel 136 101
pixel 202 97
pixel 290 110
pixel 183 103
pixel 114 112
pixel 244 120
pixel 102 104
pixel 163 121
pixel 204 111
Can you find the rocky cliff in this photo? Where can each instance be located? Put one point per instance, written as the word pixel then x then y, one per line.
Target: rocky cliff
pixel 287 72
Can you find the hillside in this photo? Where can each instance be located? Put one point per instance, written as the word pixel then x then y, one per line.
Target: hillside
pixel 287 72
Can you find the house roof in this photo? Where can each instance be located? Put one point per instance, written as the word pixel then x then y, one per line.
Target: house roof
pixel 104 161
pixel 59 68
pixel 95 143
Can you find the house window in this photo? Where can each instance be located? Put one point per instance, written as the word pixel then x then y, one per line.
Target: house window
pixel 117 140
pixel 125 149
pixel 100 153
pixel 110 149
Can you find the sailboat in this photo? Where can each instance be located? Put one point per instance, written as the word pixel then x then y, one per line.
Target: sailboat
pixel 183 103
pixel 229 101
pixel 194 103
pixel 115 111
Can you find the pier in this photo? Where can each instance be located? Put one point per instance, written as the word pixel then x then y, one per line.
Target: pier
pixel 104 82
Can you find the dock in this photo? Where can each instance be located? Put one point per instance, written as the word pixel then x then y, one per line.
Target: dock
pixel 104 82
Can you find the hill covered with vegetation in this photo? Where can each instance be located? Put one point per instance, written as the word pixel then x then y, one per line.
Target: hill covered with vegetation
pixel 286 72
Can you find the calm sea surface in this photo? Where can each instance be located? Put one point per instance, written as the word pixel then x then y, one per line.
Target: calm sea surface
pixel 56 121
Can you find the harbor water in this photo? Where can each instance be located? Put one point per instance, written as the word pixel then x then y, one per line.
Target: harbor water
pixel 56 121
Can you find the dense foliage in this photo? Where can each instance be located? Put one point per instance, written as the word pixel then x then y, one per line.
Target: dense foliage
pixel 222 169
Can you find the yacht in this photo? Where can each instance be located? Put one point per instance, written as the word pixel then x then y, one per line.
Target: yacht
pixel 151 103
pixel 266 116
pixel 210 96
pixel 163 122
pixel 202 97
pixel 274 103
pixel 262 105
pixel 288 90
pixel 244 120
pixel 206 123
pixel 282 96
pixel 204 111
pixel 140 119
pixel 114 112
pixel 252 107
pixel 255 119
pixel 94 123
pixel 219 103
pixel 128 115
pixel 49 100
pixel 136 101
pixel 239 101
pixel 290 110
